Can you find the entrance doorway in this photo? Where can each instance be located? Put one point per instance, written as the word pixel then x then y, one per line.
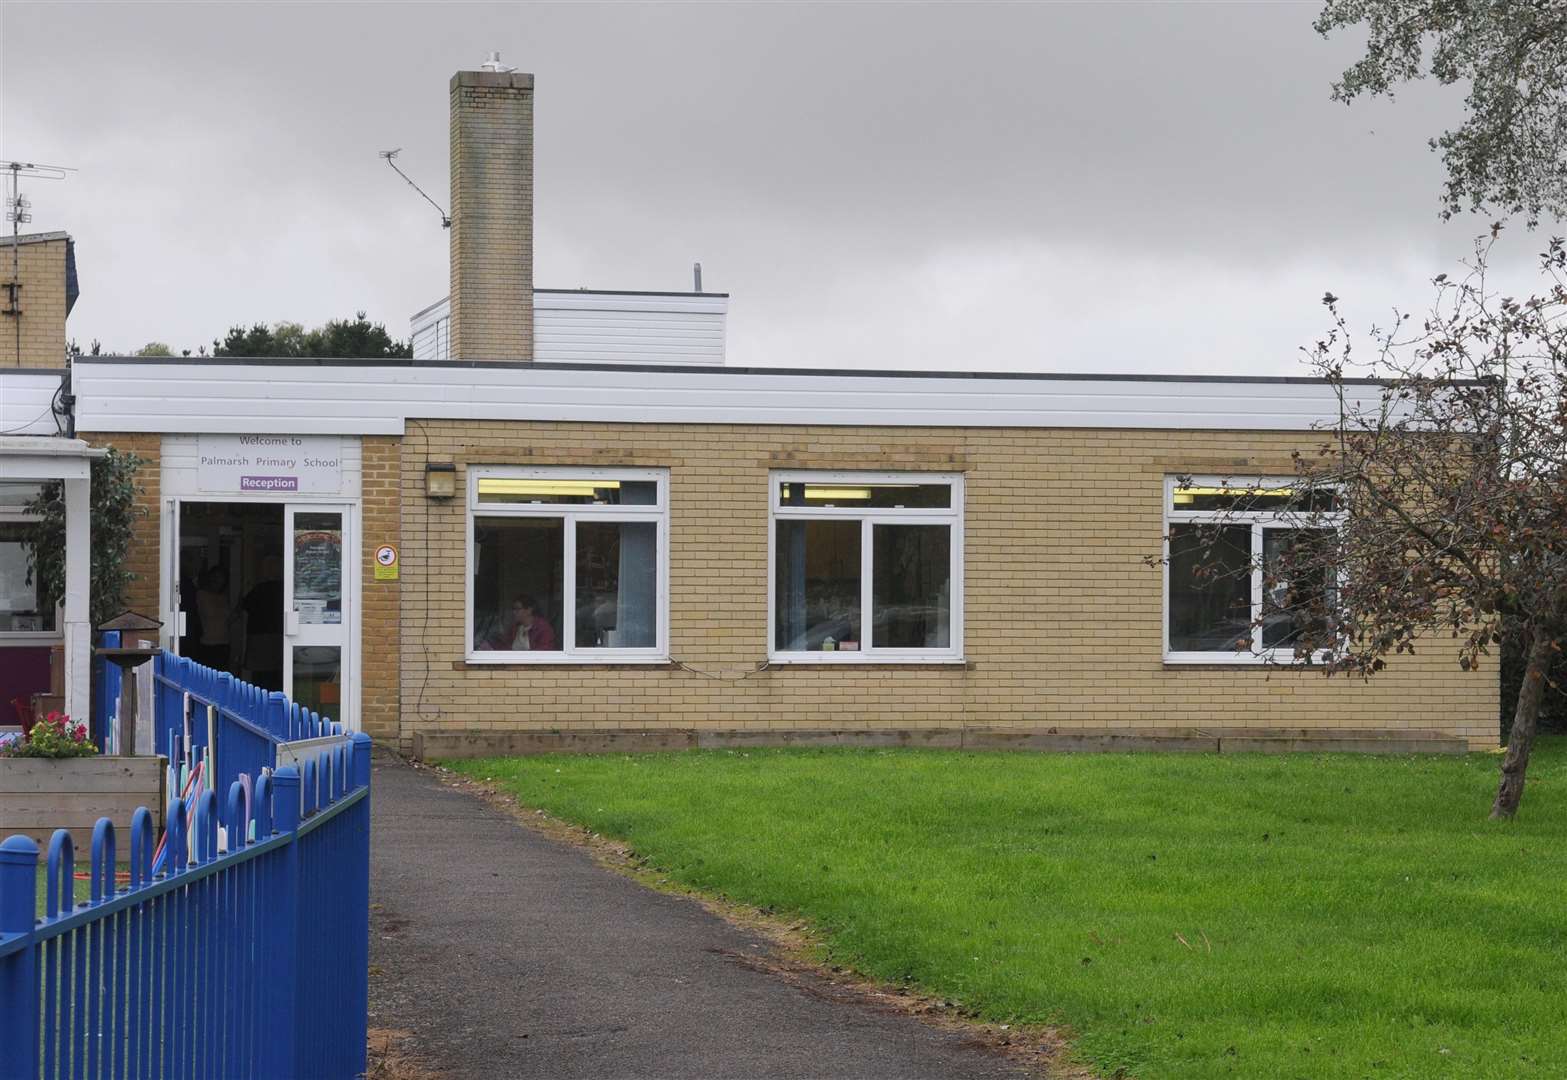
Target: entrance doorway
pixel 263 591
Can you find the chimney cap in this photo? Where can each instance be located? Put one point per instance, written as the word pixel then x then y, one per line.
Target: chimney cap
pixel 492 62
pixel 503 80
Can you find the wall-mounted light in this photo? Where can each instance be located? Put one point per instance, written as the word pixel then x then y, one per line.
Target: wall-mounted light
pixel 440 479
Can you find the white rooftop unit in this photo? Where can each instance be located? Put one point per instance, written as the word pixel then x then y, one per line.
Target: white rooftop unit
pixel 582 326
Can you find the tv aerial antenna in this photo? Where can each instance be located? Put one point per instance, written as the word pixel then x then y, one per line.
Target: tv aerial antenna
pixel 390 157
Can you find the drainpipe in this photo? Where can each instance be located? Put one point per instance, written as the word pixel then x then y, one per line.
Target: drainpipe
pixel 67 398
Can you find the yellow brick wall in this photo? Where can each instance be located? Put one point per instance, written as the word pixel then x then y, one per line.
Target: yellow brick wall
pixel 142 595
pixel 379 625
pixel 42 320
pixel 1062 616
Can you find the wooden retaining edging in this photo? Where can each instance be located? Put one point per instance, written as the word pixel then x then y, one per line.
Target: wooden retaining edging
pixel 40 795
pixel 429 745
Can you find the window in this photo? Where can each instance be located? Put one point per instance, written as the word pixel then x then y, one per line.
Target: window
pixel 22 607
pixel 1226 597
pixel 567 565
pixel 866 567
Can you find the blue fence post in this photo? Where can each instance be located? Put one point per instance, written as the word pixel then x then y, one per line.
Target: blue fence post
pixel 361 770
pixel 359 964
pixel 279 1014
pixel 276 716
pixel 108 676
pixel 19 971
pixel 168 703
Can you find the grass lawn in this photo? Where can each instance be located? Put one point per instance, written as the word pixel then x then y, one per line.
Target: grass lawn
pixel 81 888
pixel 1342 915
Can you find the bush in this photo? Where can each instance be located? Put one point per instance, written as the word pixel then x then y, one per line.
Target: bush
pixel 113 516
pixel 52 737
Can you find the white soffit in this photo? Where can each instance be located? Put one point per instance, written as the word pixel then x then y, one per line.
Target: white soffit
pixel 368 399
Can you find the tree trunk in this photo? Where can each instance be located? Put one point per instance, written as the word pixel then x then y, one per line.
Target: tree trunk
pixel 1516 762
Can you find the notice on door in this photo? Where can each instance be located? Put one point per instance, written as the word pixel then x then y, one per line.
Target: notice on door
pixel 318 568
pixel 263 464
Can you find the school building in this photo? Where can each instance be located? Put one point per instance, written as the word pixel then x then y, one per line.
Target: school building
pixel 568 522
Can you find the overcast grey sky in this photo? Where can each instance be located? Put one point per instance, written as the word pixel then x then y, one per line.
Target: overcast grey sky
pixel 1060 187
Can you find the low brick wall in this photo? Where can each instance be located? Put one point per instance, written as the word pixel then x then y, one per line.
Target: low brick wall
pixel 471 744
pixel 38 796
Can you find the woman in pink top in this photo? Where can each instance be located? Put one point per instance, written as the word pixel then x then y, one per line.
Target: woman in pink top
pixel 529 631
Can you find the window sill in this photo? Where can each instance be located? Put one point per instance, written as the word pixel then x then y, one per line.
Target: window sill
pixel 1246 660
pixel 30 637
pixel 852 660
pixel 482 661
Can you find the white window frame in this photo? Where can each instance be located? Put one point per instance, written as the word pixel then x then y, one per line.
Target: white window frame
pixel 32 637
pixel 1260 522
pixel 868 517
pixel 571 513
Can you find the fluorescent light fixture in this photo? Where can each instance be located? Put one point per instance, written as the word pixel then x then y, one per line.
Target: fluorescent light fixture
pixel 845 494
pixel 512 486
pixel 1186 494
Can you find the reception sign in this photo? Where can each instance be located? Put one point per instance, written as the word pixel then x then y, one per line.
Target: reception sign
pixel 264 464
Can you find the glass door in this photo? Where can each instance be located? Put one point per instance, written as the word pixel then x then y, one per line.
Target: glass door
pixel 318 605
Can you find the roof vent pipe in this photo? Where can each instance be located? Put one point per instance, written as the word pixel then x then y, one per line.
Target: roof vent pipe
pixel 696 274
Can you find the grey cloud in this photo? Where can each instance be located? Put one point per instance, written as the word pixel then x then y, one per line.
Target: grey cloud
pixel 1064 187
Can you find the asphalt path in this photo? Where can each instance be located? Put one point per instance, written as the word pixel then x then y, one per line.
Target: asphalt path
pixel 506 953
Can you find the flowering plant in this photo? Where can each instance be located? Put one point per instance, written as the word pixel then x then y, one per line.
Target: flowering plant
pixel 52 737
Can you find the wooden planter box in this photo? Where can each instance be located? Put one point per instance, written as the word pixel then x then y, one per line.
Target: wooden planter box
pixel 40 795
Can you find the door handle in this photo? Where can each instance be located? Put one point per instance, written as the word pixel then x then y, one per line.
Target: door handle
pixel 291 623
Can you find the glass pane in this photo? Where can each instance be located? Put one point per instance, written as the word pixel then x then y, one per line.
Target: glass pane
pixel 817 586
pixel 585 492
pixel 617 585
pixel 16 496
pixel 911 586
pixel 318 679
pixel 518 584
pixel 1299 590
pixel 21 602
pixel 1210 588
pixel 1285 498
pixel 847 493
pixel 318 567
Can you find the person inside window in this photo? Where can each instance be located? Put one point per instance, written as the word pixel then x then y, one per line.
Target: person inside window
pixel 263 611
pixel 212 602
pixel 529 630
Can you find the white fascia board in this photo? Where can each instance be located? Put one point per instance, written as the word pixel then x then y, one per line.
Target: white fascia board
pixel 350 399
pixel 695 303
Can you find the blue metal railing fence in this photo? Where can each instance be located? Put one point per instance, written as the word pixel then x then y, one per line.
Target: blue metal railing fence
pixel 249 960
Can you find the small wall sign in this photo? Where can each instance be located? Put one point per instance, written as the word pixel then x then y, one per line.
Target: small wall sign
pixel 386 562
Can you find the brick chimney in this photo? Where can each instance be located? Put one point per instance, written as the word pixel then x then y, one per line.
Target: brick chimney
pixel 492 215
